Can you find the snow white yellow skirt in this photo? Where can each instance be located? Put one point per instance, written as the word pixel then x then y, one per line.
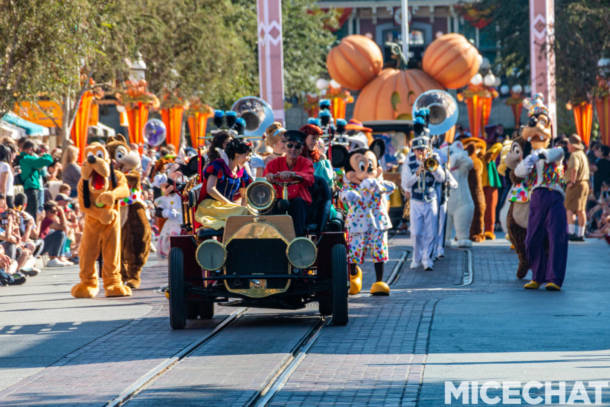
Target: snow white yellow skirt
pixel 213 214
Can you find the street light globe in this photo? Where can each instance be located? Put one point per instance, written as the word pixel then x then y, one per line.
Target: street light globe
pixel 489 80
pixel 321 84
pixel 334 84
pixel 477 79
pixel 504 89
pixel 527 89
pixel 485 64
pixel 517 89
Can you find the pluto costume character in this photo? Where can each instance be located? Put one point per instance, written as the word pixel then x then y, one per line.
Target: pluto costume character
pixel 547 236
pixel 135 227
pixel 99 189
pixel 365 193
pixel 519 206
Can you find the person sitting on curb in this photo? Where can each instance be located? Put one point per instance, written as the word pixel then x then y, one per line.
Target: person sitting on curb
pixel 53 231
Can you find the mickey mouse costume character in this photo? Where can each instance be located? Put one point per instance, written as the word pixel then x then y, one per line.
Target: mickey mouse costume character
pixel 423 204
pixel 364 192
pixel 546 240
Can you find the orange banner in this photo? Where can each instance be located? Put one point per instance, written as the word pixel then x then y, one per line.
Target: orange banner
pixel 338 108
pixel 603 117
pixel 197 127
pixel 51 114
pixel 137 116
pixel 474 114
pixel 172 118
pixel 583 116
pixel 94 117
pixel 485 111
pixel 81 124
pixel 450 135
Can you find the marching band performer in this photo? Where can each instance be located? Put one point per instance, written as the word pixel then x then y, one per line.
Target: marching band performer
pixel 421 182
pixel 442 193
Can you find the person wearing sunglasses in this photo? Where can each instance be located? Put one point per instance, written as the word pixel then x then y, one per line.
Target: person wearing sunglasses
pixel 293 166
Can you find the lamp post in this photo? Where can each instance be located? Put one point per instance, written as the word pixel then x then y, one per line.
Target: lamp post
pixel 515 101
pixel 137 69
pixel 478 97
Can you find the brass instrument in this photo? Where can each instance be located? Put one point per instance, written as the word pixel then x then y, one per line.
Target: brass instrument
pixel 431 164
pixel 443 110
pixel 257 114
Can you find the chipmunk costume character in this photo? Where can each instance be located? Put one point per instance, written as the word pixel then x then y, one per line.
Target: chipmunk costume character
pixel 364 192
pixel 99 189
pixel 135 227
pixel 519 207
pixel 547 237
pixel 476 148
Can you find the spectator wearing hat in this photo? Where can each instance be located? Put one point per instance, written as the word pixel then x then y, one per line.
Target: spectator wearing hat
pixel 293 166
pixel 577 189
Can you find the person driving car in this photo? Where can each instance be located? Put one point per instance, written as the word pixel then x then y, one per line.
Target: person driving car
pixel 292 167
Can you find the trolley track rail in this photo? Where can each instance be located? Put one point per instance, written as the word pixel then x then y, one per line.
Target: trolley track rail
pixel 278 379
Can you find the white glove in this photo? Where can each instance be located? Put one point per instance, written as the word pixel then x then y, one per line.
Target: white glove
pixel 350 196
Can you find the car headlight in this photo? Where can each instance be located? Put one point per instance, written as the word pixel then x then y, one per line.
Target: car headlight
pixel 260 195
pixel 211 255
pixel 301 252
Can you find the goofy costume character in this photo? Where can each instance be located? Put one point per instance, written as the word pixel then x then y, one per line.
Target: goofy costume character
pixel 546 241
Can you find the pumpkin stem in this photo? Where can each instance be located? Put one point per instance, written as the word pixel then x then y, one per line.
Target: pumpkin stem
pixel 398 59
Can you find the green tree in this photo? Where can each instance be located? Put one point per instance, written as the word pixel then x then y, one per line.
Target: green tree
pixel 52 48
pixel 581 39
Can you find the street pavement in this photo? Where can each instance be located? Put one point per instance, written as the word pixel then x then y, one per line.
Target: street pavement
pixel 396 350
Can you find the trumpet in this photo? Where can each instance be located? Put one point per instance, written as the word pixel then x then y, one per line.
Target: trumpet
pixel 431 164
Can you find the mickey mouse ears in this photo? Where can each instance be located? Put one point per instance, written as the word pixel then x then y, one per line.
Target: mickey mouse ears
pixel 536 106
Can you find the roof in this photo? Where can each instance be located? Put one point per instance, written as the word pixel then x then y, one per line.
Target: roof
pixel 31 129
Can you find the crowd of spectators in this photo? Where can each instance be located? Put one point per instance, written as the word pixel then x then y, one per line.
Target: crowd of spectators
pixel 38 213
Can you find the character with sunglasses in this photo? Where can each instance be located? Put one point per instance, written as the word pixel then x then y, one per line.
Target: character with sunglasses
pixel 293 167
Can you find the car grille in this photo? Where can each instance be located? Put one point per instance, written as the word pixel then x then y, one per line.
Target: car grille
pixel 256 257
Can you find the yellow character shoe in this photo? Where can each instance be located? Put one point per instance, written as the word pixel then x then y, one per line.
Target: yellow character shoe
pixel 532 285
pixel 355 282
pixel 380 288
pixel 552 287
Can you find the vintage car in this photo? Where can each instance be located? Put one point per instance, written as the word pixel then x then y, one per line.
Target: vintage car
pixel 257 260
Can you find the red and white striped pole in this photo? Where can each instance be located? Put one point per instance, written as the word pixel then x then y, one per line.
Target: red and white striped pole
pixel 542 56
pixel 270 55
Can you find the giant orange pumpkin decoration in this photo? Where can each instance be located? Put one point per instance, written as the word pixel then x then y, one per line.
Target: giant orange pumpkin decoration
pixel 452 60
pixel 354 62
pixel 391 94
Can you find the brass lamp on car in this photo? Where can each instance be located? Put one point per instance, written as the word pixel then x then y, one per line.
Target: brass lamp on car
pixel 301 253
pixel 211 255
pixel 260 195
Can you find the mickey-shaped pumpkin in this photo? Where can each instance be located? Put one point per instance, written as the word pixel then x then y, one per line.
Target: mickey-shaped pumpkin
pixel 367 220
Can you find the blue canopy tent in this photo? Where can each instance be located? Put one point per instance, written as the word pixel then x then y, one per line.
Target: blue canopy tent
pixel 31 129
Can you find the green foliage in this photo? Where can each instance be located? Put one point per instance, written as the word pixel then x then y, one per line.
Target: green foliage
pixel 203 48
pixel 581 39
pixel 306 44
